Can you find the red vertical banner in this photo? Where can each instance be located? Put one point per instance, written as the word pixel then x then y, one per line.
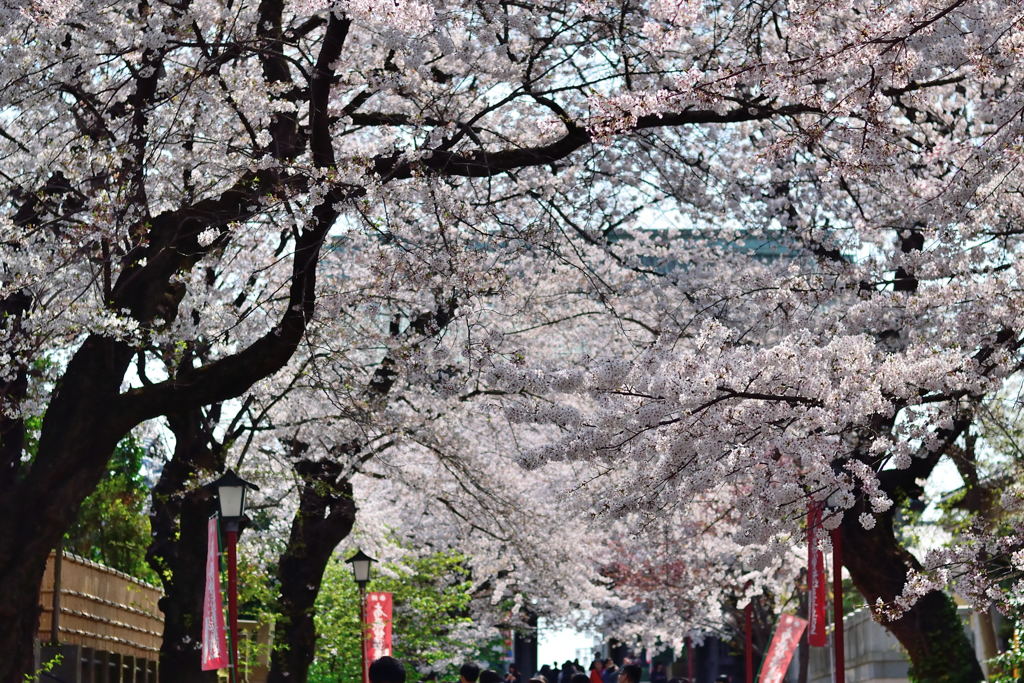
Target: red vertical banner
pixel 378 626
pixel 215 648
pixel 780 652
pixel 816 635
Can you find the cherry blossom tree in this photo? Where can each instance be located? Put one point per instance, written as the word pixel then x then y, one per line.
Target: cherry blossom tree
pixel 149 148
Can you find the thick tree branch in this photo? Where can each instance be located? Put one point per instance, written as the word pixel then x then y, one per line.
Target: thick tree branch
pixel 285 143
pixel 481 164
pixel 232 375
pixel 320 90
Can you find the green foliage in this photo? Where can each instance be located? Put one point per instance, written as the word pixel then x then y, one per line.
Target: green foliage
pixel 112 526
pixel 431 596
pixel 46 667
pixel 257 589
pixel 852 599
pixel 1007 667
pixel 33 424
pixel 492 653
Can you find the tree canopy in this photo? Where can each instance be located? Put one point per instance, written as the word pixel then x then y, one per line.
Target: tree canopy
pixel 693 263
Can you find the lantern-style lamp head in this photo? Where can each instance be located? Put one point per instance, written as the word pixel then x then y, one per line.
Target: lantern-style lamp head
pixel 231 493
pixel 361 567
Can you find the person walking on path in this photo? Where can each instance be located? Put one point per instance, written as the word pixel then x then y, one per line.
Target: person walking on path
pixel 469 672
pixel 630 674
pixel 387 670
pixel 490 676
pixel 610 674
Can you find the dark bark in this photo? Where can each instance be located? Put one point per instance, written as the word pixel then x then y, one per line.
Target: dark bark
pixel 231 376
pixel 325 517
pixel 286 142
pixel 20 618
pixel 180 509
pixel 77 439
pixel 326 508
pixel 443 162
pixel 931 632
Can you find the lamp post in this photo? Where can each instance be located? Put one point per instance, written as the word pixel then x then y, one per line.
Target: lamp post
pixel 231 493
pixel 361 572
pixel 838 636
pixel 838 631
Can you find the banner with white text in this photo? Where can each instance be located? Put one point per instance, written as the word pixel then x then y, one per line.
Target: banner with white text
pixel 817 598
pixel 378 625
pixel 780 652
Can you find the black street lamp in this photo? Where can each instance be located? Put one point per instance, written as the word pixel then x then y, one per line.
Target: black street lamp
pixel 361 563
pixel 361 568
pixel 231 494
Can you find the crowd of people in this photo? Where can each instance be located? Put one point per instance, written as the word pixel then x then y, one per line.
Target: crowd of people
pixel 390 670
pixel 601 671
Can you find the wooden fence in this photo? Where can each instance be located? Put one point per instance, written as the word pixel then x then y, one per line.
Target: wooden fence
pixel 101 609
pixel 109 627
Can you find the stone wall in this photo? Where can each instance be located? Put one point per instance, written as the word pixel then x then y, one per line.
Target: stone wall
pixel 873 655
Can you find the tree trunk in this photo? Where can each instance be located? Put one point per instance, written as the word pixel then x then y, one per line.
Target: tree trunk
pixel 325 517
pixel 29 530
pixel 78 435
pixel 931 631
pixel 19 612
pixel 180 510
